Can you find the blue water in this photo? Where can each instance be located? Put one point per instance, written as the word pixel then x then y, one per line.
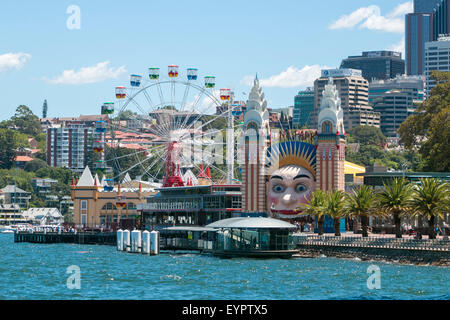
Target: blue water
pixel 35 272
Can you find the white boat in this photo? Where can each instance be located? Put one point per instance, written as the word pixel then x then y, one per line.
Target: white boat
pixel 7 230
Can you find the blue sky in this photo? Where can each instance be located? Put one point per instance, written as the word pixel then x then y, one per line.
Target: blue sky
pixel 286 42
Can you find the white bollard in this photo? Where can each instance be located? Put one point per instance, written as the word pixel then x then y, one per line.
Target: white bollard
pixel 120 240
pixel 154 243
pixel 126 240
pixel 136 241
pixel 146 242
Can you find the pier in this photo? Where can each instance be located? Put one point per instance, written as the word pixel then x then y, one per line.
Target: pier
pixel 90 238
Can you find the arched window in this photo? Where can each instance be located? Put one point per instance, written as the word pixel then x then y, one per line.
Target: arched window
pixel 109 206
pixel 131 206
pixel 327 127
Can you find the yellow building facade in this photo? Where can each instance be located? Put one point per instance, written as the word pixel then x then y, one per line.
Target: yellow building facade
pixel 96 208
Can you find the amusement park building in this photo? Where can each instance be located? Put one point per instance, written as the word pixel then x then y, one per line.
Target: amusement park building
pixel 95 207
pixel 193 205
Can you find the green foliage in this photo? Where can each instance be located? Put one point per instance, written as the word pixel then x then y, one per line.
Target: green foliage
pixel 126 115
pixel 367 135
pixel 316 205
pixel 428 129
pixel 129 159
pixel 35 165
pixel 431 198
pixel 334 204
pixel 26 122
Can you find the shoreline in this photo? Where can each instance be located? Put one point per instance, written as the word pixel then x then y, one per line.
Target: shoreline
pixel 401 257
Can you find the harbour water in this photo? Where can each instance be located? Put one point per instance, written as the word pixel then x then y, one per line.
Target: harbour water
pixel 38 272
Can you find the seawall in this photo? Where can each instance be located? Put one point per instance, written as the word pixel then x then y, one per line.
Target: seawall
pixel 401 256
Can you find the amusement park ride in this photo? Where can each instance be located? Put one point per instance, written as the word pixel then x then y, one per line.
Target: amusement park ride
pixel 169 110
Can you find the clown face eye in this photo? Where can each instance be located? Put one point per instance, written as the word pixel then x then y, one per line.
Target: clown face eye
pixel 278 188
pixel 301 188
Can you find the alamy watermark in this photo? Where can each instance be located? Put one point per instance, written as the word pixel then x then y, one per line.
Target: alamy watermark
pixel 374 280
pixel 74 280
pixel 74 20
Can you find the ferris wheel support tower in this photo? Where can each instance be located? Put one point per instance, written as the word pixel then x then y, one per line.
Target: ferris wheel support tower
pixel 230 142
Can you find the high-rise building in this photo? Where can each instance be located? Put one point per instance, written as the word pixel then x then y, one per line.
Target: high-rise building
pixel 70 147
pixel 437 57
pixel 354 93
pixel 419 30
pixel 303 108
pixel 376 64
pixel 425 6
pixel 396 100
pixel 441 19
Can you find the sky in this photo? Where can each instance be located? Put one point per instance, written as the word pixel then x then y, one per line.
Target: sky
pixel 46 52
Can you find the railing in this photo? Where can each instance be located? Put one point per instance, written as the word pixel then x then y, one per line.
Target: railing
pixel 374 242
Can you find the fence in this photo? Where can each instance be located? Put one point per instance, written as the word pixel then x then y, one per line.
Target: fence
pixel 374 242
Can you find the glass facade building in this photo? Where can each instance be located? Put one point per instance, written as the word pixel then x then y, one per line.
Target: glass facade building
pixel 396 100
pixel 303 108
pixel 425 6
pixel 441 19
pixel 419 30
pixel 377 64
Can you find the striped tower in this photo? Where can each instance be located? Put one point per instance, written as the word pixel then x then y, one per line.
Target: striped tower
pixel 330 158
pixel 256 140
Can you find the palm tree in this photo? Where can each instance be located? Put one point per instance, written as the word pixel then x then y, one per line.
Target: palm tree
pixel 316 207
pixel 334 207
pixel 431 199
pixel 360 203
pixel 394 199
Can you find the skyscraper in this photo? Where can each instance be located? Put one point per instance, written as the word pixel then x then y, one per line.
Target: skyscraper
pixel 425 6
pixel 441 19
pixel 419 29
pixel 381 65
pixel 354 93
pixel 303 108
pixel 396 100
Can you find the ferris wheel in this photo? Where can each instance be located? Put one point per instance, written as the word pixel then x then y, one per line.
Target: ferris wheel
pixel 162 127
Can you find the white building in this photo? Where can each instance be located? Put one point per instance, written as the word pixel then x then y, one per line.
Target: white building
pixel 44 216
pixel 437 57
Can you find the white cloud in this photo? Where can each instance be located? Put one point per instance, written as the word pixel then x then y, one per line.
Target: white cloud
pixel 86 75
pixel 290 78
pixel 13 60
pixel 370 18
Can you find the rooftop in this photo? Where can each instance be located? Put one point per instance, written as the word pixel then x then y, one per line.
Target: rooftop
pixel 251 223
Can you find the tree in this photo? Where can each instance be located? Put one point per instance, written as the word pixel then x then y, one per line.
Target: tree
pixel 367 135
pixel 8 147
pixel 428 129
pixel 316 208
pixel 334 207
pixel 394 199
pixel 35 165
pixel 26 122
pixel 431 199
pixel 360 203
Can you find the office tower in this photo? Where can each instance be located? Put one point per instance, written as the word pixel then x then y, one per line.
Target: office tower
pixel 303 108
pixel 376 64
pixel 441 19
pixel 419 30
pixel 396 100
pixel 425 6
pixel 437 57
pixel 354 93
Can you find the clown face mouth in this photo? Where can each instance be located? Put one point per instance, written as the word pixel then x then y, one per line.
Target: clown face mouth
pixel 288 213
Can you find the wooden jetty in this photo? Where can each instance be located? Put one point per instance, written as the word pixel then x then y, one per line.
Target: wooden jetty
pixel 109 239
